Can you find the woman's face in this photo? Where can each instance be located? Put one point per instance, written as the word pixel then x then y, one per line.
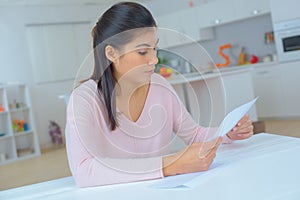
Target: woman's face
pixel 137 59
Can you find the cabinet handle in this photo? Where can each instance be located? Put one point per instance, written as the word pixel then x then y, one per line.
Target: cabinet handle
pixel 262 72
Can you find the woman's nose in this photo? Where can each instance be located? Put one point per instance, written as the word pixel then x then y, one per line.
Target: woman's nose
pixel 153 60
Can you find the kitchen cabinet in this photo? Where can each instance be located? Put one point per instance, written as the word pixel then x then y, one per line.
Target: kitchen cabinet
pixel 178 28
pixel 182 27
pixel 244 8
pixel 284 10
pixel 51 61
pixel 167 31
pixel 238 90
pixel 268 86
pixel 214 13
pixel 277 86
pixel 290 82
pixel 185 26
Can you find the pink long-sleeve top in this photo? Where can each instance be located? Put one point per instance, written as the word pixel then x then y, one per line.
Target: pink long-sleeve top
pixel 134 150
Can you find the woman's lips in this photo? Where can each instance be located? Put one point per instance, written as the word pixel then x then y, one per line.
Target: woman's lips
pixel 150 71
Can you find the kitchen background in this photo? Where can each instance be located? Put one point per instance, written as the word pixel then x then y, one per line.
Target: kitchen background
pixel 44 43
pixel 20 19
pixel 248 33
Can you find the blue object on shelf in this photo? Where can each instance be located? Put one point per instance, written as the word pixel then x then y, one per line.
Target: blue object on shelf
pixel 26 127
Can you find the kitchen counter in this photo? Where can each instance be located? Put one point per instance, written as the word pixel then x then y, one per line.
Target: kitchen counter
pixel 197 76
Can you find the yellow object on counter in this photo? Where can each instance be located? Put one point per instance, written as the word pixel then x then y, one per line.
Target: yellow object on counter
pixel 242 57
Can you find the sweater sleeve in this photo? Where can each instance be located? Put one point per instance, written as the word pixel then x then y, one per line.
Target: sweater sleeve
pixel 84 150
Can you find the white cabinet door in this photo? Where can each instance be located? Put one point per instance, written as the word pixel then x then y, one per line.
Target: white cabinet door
pixel 239 90
pixel 284 10
pixel 291 82
pixel 267 82
pixel 167 32
pixel 214 13
pixel 187 25
pixel 178 28
pixel 245 8
pixel 56 51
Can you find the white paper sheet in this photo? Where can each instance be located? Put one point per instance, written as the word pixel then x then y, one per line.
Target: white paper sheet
pixel 190 180
pixel 233 117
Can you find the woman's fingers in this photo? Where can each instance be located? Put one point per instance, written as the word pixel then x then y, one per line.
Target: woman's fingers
pixel 206 147
pixel 243 120
pixel 245 129
pixel 242 125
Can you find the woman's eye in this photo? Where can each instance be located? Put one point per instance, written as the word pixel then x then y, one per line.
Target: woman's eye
pixel 142 52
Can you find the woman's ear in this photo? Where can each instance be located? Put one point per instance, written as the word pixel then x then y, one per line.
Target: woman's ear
pixel 111 53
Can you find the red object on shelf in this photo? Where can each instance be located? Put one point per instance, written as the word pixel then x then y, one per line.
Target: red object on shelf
pixel 1 109
pixel 254 59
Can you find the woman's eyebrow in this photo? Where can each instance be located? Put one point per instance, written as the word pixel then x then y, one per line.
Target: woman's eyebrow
pixel 143 44
pixel 146 45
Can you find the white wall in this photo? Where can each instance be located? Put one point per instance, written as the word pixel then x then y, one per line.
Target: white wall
pixel 15 64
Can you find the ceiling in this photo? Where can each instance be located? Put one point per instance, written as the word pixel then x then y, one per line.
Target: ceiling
pixel 59 2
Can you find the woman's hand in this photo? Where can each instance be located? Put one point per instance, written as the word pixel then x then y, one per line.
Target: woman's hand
pixel 243 129
pixel 197 157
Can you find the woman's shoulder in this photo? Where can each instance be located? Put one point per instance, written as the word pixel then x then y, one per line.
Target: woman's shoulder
pixel 88 86
pixel 87 91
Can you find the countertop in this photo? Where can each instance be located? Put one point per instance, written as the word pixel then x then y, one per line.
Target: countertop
pixel 197 76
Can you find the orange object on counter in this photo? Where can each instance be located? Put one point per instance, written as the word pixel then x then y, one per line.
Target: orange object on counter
pixel 1 109
pixel 227 59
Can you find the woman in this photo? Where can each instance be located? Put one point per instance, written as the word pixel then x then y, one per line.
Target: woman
pixel 120 122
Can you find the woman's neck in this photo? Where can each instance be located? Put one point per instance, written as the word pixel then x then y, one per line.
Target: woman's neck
pixel 127 88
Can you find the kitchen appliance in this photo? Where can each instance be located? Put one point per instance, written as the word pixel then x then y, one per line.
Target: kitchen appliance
pixel 287 38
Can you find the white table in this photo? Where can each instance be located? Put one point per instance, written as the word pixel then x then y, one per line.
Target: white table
pixel 264 167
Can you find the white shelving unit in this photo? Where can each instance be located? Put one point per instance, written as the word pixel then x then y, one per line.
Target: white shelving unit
pixel 18 137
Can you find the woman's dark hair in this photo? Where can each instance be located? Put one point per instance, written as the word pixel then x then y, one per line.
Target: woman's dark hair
pixel 120 18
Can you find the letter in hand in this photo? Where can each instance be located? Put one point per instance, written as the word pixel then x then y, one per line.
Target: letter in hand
pixel 207 147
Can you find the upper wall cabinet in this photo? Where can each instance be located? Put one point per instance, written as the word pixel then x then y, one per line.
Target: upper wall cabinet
pixel 245 8
pixel 52 61
pixel 181 27
pixel 194 22
pixel 214 13
pixel 178 28
pixel 284 10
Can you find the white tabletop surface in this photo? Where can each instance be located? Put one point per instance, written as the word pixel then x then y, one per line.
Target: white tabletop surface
pixel 264 167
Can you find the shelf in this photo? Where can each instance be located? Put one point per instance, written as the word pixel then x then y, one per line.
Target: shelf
pixel 5 137
pixel 16 104
pixel 23 133
pixel 3 113
pixel 31 155
pixel 19 109
pixel 7 161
